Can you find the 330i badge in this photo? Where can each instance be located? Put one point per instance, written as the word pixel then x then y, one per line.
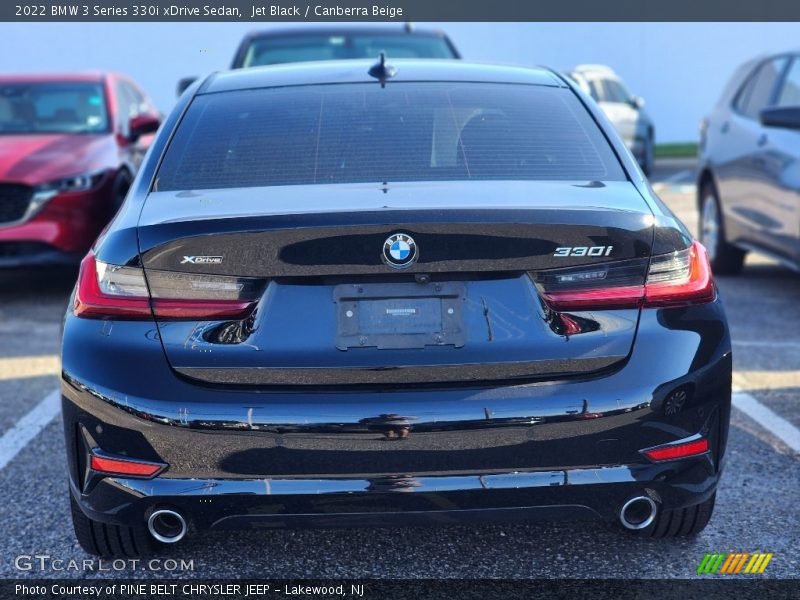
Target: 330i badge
pixel 433 291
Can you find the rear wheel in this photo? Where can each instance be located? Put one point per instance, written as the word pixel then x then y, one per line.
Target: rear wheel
pixel 725 258
pixel 680 522
pixel 121 186
pixel 102 539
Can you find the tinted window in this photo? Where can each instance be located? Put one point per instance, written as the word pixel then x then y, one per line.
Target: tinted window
pixel 299 48
pixel 757 92
pixel 790 91
pixel 52 107
pixel 405 132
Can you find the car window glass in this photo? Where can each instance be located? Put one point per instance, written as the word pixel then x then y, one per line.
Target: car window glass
pixel 596 91
pixel 138 101
pixel 125 106
pixel 52 107
pixel 405 132
pixel 790 90
pixel 759 90
pixel 296 48
pixel 615 92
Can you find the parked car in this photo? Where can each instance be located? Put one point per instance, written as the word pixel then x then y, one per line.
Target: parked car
pixel 70 146
pixel 434 291
pixel 749 161
pixel 623 109
pixel 336 43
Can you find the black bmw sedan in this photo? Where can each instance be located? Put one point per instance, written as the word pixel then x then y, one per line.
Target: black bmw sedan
pixel 357 293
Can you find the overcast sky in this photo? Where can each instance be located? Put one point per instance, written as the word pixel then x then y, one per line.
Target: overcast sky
pixel 679 68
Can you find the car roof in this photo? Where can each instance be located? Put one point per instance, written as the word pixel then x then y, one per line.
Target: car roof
pixel 594 71
pixel 355 71
pixel 765 56
pixel 744 70
pixel 344 30
pixel 93 77
pixel 593 68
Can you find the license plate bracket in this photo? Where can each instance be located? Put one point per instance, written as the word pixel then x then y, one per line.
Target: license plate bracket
pixel 391 316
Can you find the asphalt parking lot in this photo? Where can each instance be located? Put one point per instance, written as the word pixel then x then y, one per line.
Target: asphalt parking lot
pixel 757 504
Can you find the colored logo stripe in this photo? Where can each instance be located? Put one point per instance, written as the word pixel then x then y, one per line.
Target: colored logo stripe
pixel 758 563
pixel 710 563
pixel 728 564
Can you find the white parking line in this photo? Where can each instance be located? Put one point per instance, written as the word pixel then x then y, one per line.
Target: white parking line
pixel 776 425
pixel 676 177
pixel 765 344
pixel 24 430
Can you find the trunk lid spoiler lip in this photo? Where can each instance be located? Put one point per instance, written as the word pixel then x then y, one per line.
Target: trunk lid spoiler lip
pixel 231 203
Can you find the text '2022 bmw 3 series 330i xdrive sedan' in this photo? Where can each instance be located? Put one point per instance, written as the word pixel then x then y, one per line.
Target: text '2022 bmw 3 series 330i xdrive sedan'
pixel 360 293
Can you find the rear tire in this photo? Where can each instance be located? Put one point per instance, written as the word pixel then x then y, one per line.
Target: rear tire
pixel 120 190
pixel 112 541
pixel 680 522
pixel 725 258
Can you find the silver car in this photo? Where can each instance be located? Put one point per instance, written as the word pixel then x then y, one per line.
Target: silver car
pixel 624 110
pixel 749 160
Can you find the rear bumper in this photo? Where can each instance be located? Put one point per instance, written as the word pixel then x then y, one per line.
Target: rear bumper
pixel 279 458
pixel 571 494
pixel 35 254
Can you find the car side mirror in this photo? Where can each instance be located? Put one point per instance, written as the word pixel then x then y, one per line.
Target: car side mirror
pixel 637 102
pixel 183 84
pixel 785 117
pixel 142 125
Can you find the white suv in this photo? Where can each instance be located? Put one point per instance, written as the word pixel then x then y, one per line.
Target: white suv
pixel 623 109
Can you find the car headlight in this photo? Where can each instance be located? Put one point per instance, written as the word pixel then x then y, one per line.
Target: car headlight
pixel 46 191
pixel 76 183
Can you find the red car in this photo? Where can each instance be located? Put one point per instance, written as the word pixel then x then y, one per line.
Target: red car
pixel 70 146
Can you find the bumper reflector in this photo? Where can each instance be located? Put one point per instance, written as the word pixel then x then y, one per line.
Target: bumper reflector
pixel 676 451
pixel 116 466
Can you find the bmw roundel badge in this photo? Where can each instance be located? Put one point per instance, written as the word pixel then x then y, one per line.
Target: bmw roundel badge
pixel 400 251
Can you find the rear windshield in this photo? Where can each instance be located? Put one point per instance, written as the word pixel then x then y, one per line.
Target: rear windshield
pixel 297 48
pixel 351 133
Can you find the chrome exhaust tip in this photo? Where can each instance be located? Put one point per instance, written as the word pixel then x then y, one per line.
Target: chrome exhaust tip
pixel 166 526
pixel 638 512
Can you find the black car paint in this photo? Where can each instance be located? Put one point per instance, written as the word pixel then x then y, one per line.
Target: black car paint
pixel 305 256
pixel 270 454
pixel 277 455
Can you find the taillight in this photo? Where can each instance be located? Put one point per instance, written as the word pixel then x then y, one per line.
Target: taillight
pixel 680 278
pixel 120 292
pixel 677 279
pixel 607 285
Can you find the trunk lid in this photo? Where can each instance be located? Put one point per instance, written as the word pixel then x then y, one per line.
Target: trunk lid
pixel 332 312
